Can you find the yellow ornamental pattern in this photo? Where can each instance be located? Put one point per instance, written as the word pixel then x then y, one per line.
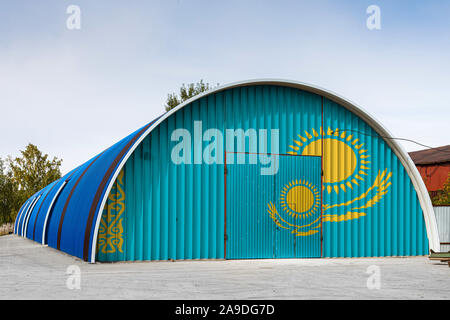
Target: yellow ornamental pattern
pixel 110 234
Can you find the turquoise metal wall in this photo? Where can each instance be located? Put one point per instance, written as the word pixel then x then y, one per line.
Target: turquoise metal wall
pixel 370 207
pixel 377 203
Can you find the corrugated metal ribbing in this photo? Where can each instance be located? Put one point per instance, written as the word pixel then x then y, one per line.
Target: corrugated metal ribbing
pixel 373 206
pixel 274 216
pixel 442 214
pixel 265 107
pixel 176 211
pixel 250 231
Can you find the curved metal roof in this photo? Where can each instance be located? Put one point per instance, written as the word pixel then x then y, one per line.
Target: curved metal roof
pixel 76 201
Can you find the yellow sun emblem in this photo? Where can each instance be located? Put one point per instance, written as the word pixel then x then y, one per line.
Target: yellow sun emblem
pixel 345 161
pixel 300 199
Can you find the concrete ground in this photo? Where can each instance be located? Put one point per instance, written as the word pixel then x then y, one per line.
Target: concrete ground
pixel 31 271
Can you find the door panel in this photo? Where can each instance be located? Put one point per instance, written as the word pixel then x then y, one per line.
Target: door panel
pixel 274 216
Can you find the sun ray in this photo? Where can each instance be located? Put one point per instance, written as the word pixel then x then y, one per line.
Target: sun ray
pixel 303 138
pixel 336 189
pixel 336 132
pixel 315 133
pixel 329 131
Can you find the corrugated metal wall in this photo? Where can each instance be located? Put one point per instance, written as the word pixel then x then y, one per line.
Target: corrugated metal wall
pixel 390 219
pixel 442 214
pixel 279 220
pixel 370 207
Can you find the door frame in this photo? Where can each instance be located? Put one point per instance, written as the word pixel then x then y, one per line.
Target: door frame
pixel 278 154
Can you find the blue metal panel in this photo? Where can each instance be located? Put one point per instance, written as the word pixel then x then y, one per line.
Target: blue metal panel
pixel 58 207
pixel 71 224
pixel 32 217
pixel 41 214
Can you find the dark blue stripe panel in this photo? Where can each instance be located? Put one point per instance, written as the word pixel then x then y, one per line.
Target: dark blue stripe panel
pixel 73 225
pixel 33 214
pixel 19 215
pixel 75 217
pixel 115 165
pixel 41 217
pixel 24 214
pixel 53 223
pixel 26 219
pixel 77 213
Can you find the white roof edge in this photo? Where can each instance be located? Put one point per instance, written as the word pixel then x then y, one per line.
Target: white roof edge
pixel 405 159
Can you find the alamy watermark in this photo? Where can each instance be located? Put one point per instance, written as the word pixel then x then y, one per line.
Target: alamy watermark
pixel 74 279
pixel 73 21
pixel 260 147
pixel 374 280
pixel 373 21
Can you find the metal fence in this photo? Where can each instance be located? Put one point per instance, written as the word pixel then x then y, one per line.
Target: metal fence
pixel 443 222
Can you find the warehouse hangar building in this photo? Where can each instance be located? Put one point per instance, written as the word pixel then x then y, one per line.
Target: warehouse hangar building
pixel 254 169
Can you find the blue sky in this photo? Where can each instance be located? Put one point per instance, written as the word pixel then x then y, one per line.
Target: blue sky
pixel 76 92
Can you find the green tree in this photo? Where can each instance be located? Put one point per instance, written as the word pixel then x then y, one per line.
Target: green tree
pixel 8 199
pixel 186 92
pixel 31 172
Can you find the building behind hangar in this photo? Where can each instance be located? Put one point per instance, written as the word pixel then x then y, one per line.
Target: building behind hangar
pixel 255 169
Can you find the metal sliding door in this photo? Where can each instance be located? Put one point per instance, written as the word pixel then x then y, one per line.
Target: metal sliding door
pixel 274 216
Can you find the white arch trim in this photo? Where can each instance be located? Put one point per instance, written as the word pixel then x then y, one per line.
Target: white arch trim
pixel 29 216
pixel 405 159
pixel 19 216
pixel 50 207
